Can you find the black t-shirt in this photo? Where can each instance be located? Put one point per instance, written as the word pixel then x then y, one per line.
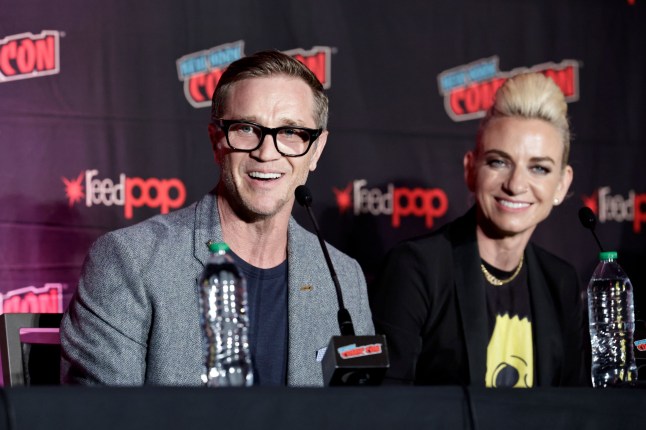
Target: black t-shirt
pixel 510 352
pixel 267 303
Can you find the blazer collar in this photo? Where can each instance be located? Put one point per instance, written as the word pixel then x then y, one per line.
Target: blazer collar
pixel 208 229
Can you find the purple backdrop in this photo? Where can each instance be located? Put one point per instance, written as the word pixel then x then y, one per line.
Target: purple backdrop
pixel 103 118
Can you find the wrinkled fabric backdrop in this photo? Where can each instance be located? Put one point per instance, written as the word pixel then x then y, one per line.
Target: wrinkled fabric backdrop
pixel 104 112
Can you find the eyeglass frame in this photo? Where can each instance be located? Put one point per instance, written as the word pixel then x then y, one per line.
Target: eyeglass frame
pixel 224 125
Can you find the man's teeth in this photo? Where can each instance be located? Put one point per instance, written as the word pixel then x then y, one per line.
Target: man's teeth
pixel 262 175
pixel 513 205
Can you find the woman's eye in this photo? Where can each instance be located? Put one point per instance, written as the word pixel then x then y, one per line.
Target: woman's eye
pixel 541 170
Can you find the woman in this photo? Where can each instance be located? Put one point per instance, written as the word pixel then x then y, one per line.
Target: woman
pixel 476 303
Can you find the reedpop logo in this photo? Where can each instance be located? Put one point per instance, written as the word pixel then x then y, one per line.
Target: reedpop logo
pixel 398 202
pixel 130 193
pixel 609 207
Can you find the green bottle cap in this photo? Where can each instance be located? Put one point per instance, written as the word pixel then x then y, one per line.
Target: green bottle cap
pixel 216 247
pixel 608 255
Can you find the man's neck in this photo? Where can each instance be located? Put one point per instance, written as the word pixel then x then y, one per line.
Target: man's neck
pixel 261 243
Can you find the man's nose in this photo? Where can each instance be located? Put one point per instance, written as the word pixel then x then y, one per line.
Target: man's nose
pixel 267 150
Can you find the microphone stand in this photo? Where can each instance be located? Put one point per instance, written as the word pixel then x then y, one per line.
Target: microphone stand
pixel 343 316
pixel 349 359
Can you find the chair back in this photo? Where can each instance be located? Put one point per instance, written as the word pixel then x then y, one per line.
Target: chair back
pixel 30 349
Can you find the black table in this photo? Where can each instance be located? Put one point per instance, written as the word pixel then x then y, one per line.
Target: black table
pixel 317 408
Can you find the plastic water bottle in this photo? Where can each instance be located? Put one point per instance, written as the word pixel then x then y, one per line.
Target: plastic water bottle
pixel 612 323
pixel 225 322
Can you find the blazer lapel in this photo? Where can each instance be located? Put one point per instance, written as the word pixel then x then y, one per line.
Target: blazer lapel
pixel 207 226
pixel 311 322
pixel 545 330
pixel 472 300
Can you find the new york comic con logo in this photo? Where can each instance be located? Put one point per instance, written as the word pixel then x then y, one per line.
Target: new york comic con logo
pixel 130 193
pixel 354 351
pixel 45 300
pixel 201 71
pixel 469 90
pixel 398 202
pixel 27 55
pixel 615 207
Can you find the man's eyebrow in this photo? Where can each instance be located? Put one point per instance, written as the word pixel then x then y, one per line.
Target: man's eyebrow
pixel 283 121
pixel 295 123
pixel 247 118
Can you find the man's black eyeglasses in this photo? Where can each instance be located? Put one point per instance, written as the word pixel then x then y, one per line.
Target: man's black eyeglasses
pixel 248 136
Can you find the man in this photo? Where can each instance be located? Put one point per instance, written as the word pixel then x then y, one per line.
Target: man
pixel 135 317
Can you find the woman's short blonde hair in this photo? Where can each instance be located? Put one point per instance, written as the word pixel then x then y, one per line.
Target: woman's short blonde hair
pixel 531 96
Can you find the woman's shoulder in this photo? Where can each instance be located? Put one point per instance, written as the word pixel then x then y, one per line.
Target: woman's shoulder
pixel 442 239
pixel 436 238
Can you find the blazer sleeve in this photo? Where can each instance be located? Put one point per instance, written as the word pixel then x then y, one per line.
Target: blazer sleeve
pixel 400 303
pixel 105 328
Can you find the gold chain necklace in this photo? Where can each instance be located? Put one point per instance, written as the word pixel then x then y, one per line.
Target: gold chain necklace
pixel 495 281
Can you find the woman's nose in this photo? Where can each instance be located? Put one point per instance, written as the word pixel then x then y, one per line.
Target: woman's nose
pixel 516 183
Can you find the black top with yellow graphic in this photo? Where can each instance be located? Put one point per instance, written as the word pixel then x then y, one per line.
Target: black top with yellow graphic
pixel 510 353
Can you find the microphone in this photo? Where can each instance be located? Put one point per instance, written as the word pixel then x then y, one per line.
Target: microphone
pixel 589 221
pixel 348 359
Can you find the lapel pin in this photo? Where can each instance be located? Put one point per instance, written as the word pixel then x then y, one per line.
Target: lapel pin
pixel 307 287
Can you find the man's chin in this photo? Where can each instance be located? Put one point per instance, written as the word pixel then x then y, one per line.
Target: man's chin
pixel 259 212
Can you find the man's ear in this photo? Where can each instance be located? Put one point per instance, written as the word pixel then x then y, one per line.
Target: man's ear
pixel 213 135
pixel 216 136
pixel 317 147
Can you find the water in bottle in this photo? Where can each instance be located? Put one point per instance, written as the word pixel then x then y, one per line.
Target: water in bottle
pixel 612 322
pixel 225 321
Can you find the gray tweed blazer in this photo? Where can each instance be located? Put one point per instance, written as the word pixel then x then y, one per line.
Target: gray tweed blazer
pixel 135 317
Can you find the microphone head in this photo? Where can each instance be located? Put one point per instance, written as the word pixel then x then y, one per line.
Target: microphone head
pixel 587 217
pixel 303 195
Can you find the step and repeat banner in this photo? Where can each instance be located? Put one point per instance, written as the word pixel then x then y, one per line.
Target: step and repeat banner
pixel 104 109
